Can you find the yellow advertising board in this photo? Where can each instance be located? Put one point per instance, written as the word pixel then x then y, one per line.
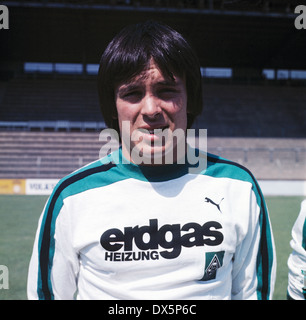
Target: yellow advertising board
pixel 12 186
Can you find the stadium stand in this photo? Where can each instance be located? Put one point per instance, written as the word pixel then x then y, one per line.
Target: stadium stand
pixel 229 109
pixel 28 154
pixel 267 158
pixel 50 100
pixel 254 111
pixel 50 127
pixel 45 154
pixel 50 123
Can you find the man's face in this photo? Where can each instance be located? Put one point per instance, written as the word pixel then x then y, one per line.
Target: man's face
pixel 147 103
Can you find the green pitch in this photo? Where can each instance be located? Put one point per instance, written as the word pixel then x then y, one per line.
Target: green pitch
pixel 19 217
pixel 18 223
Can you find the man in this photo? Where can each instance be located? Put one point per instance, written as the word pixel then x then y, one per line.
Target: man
pixel 297 259
pixel 133 226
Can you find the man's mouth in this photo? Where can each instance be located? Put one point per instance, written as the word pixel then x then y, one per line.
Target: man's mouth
pixel 156 134
pixel 153 130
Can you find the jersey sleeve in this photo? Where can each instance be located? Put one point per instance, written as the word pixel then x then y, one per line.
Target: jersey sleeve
pixel 297 259
pixel 254 265
pixel 53 270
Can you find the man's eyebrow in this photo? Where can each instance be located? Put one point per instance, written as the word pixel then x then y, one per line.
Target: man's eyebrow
pixel 171 83
pixel 128 87
pixel 133 85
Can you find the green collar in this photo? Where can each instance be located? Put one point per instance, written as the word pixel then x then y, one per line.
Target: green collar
pixel 154 173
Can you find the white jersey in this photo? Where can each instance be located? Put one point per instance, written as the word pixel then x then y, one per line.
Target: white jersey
pixel 122 231
pixel 297 259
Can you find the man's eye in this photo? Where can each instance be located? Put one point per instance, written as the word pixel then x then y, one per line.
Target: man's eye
pixel 168 93
pixel 132 93
pixel 132 96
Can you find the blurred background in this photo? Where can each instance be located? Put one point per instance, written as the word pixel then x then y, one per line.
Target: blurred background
pixel 253 68
pixel 254 87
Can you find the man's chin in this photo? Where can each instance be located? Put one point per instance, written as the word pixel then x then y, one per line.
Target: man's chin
pixel 154 155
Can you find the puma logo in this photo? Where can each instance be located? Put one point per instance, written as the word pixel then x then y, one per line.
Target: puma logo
pixel 215 204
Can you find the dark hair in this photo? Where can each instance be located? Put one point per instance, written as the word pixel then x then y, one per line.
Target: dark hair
pixel 129 53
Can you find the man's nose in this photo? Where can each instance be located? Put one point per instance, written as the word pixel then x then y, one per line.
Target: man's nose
pixel 150 107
